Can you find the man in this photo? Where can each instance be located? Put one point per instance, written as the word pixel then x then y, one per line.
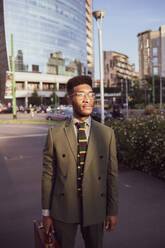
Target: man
pixel 79 181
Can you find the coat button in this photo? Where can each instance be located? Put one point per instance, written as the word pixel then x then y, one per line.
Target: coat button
pixel 62 194
pixel 63 155
pixel 101 156
pixel 102 194
pixel 99 178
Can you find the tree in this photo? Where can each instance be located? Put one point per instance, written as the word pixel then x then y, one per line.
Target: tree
pixel 34 99
pixel 140 92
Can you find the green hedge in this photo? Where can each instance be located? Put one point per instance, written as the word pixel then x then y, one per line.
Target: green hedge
pixel 141 144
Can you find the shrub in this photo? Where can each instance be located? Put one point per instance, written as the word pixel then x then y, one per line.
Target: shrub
pixel 141 144
pixel 139 106
pixel 149 109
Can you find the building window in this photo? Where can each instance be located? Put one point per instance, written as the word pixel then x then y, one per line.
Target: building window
pixel 20 85
pixel 122 60
pixel 155 61
pixel 111 63
pixel 33 86
pixel 147 42
pixel 62 87
pixel 155 70
pixel 51 86
pixel 158 42
pixel 45 86
pixel 48 86
pixel 155 51
pixel 107 67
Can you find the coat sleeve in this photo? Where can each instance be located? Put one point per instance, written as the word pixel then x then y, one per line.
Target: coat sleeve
pixel 112 179
pixel 48 171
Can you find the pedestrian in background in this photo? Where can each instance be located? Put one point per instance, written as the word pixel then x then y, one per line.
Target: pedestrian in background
pixel 79 179
pixel 32 111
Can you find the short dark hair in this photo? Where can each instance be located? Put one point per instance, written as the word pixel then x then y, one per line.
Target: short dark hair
pixel 73 82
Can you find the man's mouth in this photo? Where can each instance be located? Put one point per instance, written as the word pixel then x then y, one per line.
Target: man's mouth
pixel 87 106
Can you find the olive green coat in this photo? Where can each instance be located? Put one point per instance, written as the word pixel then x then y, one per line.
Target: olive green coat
pixel 59 177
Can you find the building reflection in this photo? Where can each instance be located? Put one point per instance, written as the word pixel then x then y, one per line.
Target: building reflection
pixel 51 44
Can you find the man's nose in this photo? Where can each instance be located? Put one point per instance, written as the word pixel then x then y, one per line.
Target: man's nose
pixel 86 98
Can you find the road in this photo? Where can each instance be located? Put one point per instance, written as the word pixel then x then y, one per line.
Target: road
pixel 42 116
pixel 142 202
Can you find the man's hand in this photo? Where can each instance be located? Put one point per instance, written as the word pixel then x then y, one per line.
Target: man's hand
pixel 110 223
pixel 48 224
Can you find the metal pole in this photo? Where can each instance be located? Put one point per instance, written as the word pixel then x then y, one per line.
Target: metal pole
pixel 160 91
pixel 126 90
pixel 101 69
pixel 56 103
pixel 13 80
pixel 153 86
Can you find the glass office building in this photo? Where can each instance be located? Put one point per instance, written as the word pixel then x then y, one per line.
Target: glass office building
pixel 43 27
pixel 49 36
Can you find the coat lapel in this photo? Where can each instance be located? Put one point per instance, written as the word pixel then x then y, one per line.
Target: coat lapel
pixel 71 137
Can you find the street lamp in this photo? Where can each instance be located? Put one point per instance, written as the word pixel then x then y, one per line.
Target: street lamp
pixel 99 15
pixel 13 80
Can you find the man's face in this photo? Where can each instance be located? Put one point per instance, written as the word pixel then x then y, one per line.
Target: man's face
pixel 82 101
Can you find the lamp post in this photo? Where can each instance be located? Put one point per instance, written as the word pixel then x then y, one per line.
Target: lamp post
pixel 13 80
pixel 160 90
pixel 126 94
pixel 153 86
pixel 99 15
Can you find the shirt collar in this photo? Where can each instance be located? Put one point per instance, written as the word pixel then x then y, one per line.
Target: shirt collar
pixel 87 121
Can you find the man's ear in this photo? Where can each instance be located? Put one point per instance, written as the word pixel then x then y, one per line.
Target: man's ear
pixel 69 99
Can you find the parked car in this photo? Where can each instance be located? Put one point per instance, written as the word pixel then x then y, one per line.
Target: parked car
pixel 2 107
pixel 6 110
pixel 59 114
pixel 96 114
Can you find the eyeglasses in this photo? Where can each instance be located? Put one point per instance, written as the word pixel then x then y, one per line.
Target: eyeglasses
pixel 81 94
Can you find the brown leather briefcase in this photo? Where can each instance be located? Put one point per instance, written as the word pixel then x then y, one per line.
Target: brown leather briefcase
pixel 41 239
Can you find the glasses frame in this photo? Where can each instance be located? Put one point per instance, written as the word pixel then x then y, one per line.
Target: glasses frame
pixel 78 94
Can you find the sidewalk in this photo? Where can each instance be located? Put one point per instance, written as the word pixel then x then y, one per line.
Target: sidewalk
pixel 24 116
pixel 141 216
pixel 141 200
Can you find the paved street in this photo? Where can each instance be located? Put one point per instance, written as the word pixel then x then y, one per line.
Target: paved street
pixel 142 201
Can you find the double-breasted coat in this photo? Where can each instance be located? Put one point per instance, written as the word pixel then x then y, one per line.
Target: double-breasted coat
pixel 59 176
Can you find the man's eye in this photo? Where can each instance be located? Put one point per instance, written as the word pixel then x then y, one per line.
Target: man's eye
pixel 91 94
pixel 80 94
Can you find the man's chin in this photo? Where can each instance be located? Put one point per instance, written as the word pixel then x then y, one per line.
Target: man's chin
pixel 83 114
pixel 87 112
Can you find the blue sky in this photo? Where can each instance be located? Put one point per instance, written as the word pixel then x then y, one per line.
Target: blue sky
pixel 124 19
